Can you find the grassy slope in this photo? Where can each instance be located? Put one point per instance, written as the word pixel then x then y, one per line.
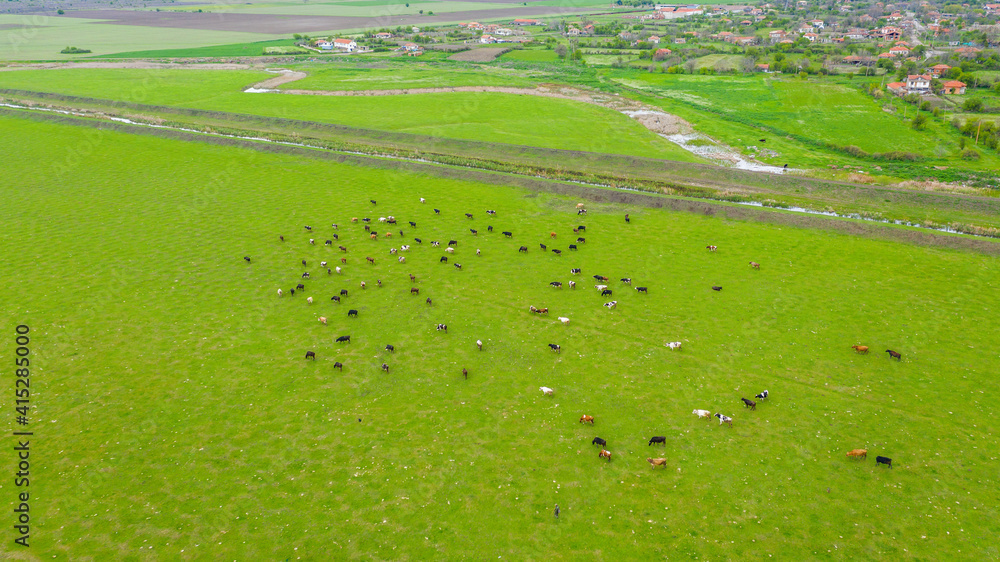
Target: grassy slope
pixel 42 37
pixel 172 393
pixel 515 119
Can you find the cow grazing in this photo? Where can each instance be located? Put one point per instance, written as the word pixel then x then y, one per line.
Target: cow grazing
pixel 605 454
pixel 311 355
pixel 338 270
pixel 465 373
pixel 724 419
pixel 385 367
pixel 491 212
pixel 478 252
pixel 305 275
pixel 479 344
pixel 372 201
pixel 429 303
pixel 343 260
pixel 343 292
pixel 523 250
pixel 246 259
pixel 572 284
pixel 508 234
pixel 581 211
pixel 716 288
pixel 606 293
pixel 552 235
pixel 300 287
pixel 707 414
pixel 627 219
pixel 442 328
pixel 599 441
pixel 674 344
pixel 587 419
pixel 531 308
pixel 418 241
pixel 611 304
pixel 437 211
pixel 469 215
pixel 641 290
pixel 601 278
pixel 435 243
pixel 564 320
pixel 322 320
pixel 342 248
pixel 370 260
pixel 444 259
pixel 389 235
pixel 626 280
pixel 542 246
pixel 883 460
pixel 363 286
pixel 280 237
pixel 312 241
pixel 581 228
pixel 755 265
pixel 457 265
pixel 657 462
pixel 292 291
pixel 352 313
pixel 322 264
pixel 279 292
pixel 366 219
pixel 581 240
pixel 339 365
pixel 711 248
pixel 556 284
pixel 335 298
pixel 572 247
pixel 474 231
pixel 747 403
pixel 413 224
pixel 414 291
pixel 762 396
pixel 658 439
pixel 858 454
pixel 894 355
pixel 401 259
pixel 557 252
pixel 546 390
pixel 862 349
pixel 304 263
pixel 392 251
pixel 555 347
pixel 390 348
pixel 309 228
pixel 600 287
pixel 413 277
pixel 309 300
pixel 450 250
pixel 328 243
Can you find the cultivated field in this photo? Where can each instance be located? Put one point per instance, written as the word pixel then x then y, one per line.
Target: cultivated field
pixel 177 417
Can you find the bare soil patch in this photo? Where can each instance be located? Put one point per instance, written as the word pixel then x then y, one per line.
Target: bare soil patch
pixel 479 55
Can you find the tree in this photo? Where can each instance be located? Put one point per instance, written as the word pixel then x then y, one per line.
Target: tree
pixel 690 66
pixel 747 65
pixel 561 51
pixel 919 122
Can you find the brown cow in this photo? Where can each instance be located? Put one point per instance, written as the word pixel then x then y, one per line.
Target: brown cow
pixel 755 265
pixel 585 418
pixel 605 454
pixel 862 349
pixel 657 462
pixel 858 453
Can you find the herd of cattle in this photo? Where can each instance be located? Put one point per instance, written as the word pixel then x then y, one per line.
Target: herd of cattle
pixel 601 287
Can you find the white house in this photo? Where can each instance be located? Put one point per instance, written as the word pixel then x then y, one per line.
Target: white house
pixel 345 44
pixel 487 39
pixel 918 83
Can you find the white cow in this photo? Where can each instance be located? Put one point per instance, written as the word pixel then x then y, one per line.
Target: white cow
pixel 279 292
pixel 564 320
pixel 546 390
pixel 338 269
pixel 322 319
pixel 600 287
pixel 450 250
pixel 611 304
pixel 707 414
pixel 309 300
pixel 422 200
pixel 322 264
pixel 724 419
pixel 673 345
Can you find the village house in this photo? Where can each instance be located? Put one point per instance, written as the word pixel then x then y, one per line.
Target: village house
pixel 653 40
pixel 345 45
pixel 487 38
pixel 992 9
pixel 410 47
pixel 938 69
pixel 818 24
pixel 324 45
pixel 764 67
pixel 953 87
pixel 898 88
pixel 504 32
pixel 918 83
pixel 812 37
pixel 899 51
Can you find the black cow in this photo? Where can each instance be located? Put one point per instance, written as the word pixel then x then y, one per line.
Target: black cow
pixel 600 278
pixel 305 275
pixel 468 215
pixel 372 201
pixel 418 241
pixel 311 355
pixel 352 312
pixel 444 259
pixel 747 403
pixel 309 228
pixel 658 439
pixel 556 284
pixel 473 231
pixel 542 246
pixel 442 328
pixel 280 237
pixel 458 266
pixel 343 292
pixel 606 293
pixel 437 211
pixel 429 303
pixel 339 365
pixel 344 339
pixel 335 298
pixel 641 290
pixel 523 249
pixel 575 271
pixel 581 228
pixel 572 246
pixel 894 355
pixel 336 236
pixel 385 367
pixel 413 224
pixel 555 347
pixel 599 441
pixel 557 252
pixel 328 243
pixel 716 288
pixel 465 373
pixel 453 242
pixel 626 218
pixel 246 258
pixel 883 460
pixel 304 263
pixel 626 280
pixel 390 348
pixel 761 396
pixel 581 240
pixel 300 287
pixel 508 234
pixel 489 228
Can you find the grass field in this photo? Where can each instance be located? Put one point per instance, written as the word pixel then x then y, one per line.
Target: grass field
pixel 531 55
pixel 357 77
pixel 505 118
pixel 177 418
pixel 252 49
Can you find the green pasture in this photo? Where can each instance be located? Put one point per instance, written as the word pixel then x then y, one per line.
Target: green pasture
pixel 494 117
pixel 175 416
pixel 40 37
pixel 363 77
pixel 252 49
pixel 354 9
pixel 530 55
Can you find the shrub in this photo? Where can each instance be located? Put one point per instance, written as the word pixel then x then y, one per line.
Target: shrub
pixel 970 154
pixel 919 121
pixel 973 105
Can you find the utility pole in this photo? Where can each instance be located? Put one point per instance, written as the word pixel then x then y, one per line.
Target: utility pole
pixel 979 128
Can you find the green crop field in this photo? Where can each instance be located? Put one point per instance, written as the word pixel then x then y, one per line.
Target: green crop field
pixel 355 77
pixel 39 37
pixel 531 55
pixel 175 416
pixel 235 50
pixel 505 118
